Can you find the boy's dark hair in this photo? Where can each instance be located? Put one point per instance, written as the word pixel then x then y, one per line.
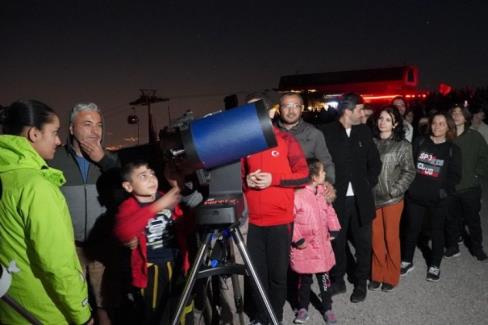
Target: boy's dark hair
pixel 129 167
pixel 314 166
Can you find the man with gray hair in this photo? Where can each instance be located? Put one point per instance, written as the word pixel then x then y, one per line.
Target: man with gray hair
pixel 83 160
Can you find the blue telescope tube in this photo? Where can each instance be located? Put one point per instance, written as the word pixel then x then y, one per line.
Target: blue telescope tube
pixel 226 137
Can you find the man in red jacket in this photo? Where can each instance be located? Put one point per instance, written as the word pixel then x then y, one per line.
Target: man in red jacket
pixel 271 177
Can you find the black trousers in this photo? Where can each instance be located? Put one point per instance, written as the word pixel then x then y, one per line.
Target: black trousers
pixel 305 282
pixel 415 219
pixel 155 304
pixel 269 250
pixel 360 236
pixel 464 209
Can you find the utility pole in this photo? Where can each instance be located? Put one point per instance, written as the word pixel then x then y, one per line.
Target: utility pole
pixel 148 97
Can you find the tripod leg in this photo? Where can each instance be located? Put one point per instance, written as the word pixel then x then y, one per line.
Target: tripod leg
pixel 236 286
pixel 20 309
pixel 190 282
pixel 239 241
pixel 238 297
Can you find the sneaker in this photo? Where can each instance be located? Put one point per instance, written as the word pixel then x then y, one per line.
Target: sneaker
pixel 481 256
pixel 406 267
pixel 433 274
pixel 301 317
pixel 374 285
pixel 386 287
pixel 255 322
pixel 337 288
pixel 359 293
pixel 452 252
pixel 460 239
pixel 330 317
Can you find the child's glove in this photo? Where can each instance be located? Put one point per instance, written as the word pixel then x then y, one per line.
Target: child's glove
pixel 299 244
pixel 333 234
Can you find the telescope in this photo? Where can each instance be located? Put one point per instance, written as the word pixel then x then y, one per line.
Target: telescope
pixel 214 145
pixel 222 138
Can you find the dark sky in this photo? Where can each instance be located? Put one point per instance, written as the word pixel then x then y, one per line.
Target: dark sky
pixel 195 52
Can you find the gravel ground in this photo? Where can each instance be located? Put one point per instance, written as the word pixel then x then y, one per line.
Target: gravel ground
pixel 460 297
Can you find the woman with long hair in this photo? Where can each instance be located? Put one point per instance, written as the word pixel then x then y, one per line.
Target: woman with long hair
pixel 397 172
pixel 35 226
pixel 438 165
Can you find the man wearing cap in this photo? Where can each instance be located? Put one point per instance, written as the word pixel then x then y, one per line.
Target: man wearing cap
pixel 357 166
pixel 310 138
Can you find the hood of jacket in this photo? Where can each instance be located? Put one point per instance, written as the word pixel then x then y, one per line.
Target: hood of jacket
pixel 17 153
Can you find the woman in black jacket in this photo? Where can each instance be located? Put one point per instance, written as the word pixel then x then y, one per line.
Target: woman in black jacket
pixel 438 165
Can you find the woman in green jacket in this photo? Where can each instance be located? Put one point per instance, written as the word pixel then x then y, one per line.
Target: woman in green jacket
pixel 35 226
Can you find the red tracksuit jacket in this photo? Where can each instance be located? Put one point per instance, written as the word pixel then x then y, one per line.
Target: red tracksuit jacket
pixel 130 222
pixel 286 162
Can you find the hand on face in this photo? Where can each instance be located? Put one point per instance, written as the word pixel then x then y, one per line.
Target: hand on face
pixel 86 130
pixel 93 149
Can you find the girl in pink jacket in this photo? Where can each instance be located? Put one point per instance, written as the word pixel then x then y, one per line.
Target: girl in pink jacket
pixel 315 226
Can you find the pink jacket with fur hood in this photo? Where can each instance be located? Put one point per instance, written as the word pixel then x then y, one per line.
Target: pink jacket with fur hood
pixel 314 220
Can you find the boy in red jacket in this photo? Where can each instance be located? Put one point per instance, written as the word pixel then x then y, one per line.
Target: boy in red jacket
pixel 147 222
pixel 270 179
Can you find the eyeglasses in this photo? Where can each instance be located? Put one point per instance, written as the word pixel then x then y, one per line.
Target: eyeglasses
pixel 292 106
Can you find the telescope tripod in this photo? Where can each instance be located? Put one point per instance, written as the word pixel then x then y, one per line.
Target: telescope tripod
pixel 5 281
pixel 199 270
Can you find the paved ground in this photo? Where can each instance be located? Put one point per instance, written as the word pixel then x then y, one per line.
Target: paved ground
pixel 460 297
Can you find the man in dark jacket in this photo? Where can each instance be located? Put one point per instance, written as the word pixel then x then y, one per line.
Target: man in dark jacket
pixel 465 204
pixel 357 166
pixel 82 161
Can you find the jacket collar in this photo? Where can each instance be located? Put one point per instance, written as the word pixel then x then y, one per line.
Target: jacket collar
pixel 17 153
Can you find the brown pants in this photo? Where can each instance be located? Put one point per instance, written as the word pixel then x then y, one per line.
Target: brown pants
pixel 386 244
pixel 95 271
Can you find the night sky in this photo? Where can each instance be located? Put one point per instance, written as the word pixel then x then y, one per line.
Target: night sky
pixel 196 52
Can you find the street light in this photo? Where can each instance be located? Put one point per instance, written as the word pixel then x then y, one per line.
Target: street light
pixel 148 97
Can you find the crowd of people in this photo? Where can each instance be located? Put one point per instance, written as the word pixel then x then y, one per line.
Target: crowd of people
pixel 102 241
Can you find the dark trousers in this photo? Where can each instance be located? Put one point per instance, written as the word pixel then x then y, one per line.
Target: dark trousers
pixel 361 237
pixel 156 303
pixel 305 282
pixel 269 250
pixel 464 209
pixel 415 218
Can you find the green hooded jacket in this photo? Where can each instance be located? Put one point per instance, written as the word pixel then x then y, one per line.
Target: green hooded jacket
pixel 36 232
